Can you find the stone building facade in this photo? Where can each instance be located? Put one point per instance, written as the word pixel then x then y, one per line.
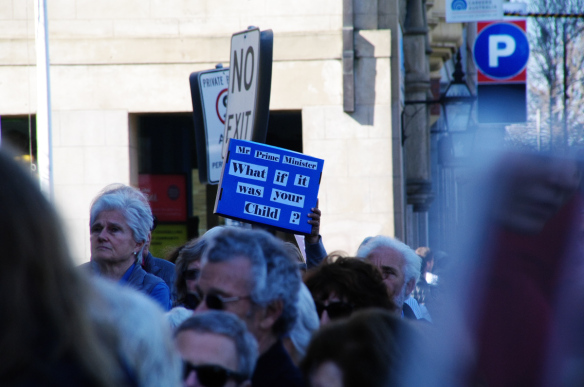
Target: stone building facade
pixel 345 67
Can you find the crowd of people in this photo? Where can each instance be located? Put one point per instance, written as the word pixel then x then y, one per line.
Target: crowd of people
pixel 240 307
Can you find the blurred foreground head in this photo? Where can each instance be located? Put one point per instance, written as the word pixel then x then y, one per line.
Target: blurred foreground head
pixel 532 188
pixel 513 315
pixel 368 349
pixel 44 331
pixel 217 350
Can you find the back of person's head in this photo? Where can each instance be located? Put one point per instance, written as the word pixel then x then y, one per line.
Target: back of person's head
pixel 43 296
pixel 177 316
pixel 427 256
pixel 351 280
pixel 275 275
pixel 412 260
pixel 306 323
pixel 229 325
pixel 296 255
pixel 192 251
pixel 131 203
pixel 368 349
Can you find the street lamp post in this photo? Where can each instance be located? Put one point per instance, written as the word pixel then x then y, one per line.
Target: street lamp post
pixel 457 103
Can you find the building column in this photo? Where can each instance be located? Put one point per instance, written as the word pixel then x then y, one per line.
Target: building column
pixel 90 151
pixel 416 116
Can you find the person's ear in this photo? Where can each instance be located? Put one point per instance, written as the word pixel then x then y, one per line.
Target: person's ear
pixel 410 286
pixel 271 314
pixel 138 246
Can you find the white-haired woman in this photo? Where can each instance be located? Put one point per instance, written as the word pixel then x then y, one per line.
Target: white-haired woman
pixel 120 221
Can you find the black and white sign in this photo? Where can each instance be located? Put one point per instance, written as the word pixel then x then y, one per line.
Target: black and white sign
pixel 209 95
pixel 249 88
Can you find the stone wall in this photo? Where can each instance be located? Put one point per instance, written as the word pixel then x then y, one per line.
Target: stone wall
pixel 113 58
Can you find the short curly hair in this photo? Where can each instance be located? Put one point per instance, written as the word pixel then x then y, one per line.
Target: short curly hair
pixel 358 282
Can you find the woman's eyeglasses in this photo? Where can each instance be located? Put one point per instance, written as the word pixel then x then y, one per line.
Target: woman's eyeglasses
pixel 335 309
pixel 211 375
pixel 192 274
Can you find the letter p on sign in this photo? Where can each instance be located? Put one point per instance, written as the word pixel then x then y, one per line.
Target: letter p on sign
pixel 501 51
pixel 500 46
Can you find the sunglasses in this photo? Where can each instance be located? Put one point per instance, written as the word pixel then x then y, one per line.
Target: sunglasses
pixel 192 274
pixel 211 375
pixel 217 302
pixel 334 309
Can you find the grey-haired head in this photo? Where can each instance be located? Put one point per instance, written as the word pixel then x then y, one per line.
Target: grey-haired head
pixel 229 325
pixel 412 261
pixel 274 276
pixel 131 203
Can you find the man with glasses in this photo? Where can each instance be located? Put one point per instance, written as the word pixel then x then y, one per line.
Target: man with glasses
pixel 400 268
pixel 248 273
pixel 217 350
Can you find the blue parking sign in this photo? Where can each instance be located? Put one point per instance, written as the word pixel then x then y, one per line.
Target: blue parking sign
pixel 501 50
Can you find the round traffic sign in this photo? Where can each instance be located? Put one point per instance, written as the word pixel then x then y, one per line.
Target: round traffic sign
pixel 221 105
pixel 501 50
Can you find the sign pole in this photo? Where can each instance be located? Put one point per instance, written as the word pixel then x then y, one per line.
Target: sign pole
pixel 43 119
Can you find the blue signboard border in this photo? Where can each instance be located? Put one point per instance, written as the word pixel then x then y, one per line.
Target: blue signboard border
pixel 293 198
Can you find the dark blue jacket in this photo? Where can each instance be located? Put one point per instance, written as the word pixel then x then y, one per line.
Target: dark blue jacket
pixel 162 269
pixel 140 280
pixel 275 368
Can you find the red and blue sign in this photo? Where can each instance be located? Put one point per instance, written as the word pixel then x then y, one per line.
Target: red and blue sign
pixel 501 52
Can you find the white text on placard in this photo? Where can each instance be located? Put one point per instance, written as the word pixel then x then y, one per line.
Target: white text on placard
pixel 281 177
pixel 299 162
pixel 250 189
pixel 267 156
pixel 301 180
pixel 247 170
pixel 243 150
pixel 262 211
pixel 288 198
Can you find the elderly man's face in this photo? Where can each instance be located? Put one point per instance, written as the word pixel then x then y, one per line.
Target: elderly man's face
pixel 232 282
pixel 199 349
pixel 391 264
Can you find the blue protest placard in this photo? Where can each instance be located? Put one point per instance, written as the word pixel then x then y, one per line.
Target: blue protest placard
pixel 268 185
